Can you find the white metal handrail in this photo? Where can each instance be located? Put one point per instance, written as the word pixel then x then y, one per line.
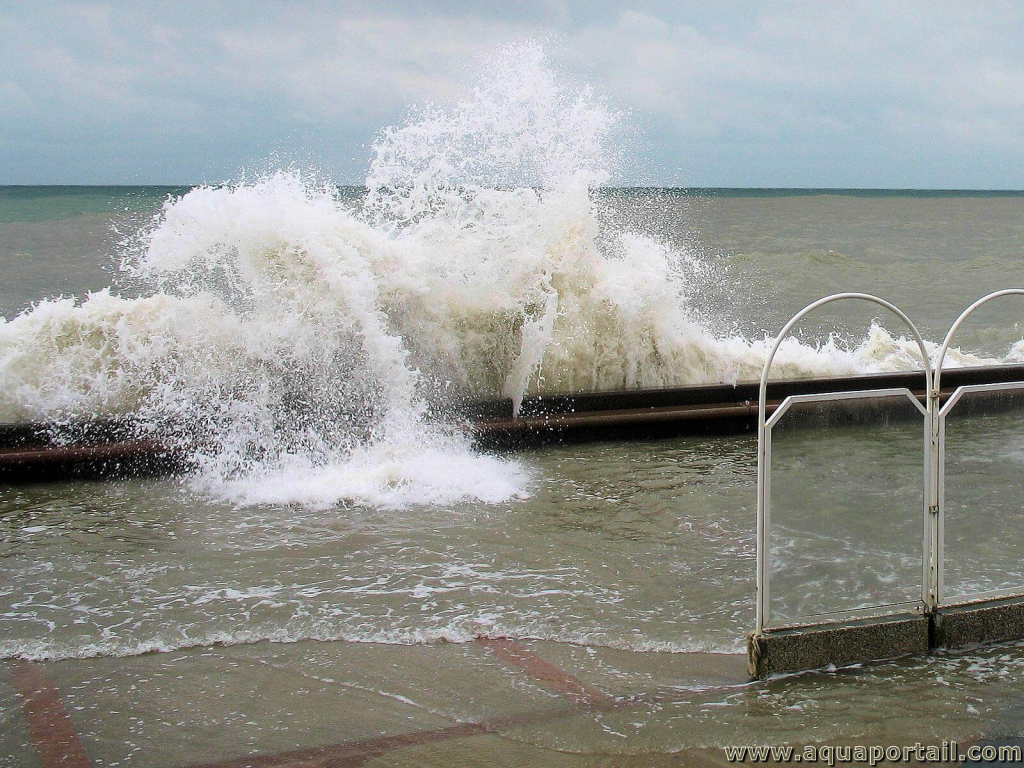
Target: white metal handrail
pixel 934 535
pixel 762 608
pixel 896 392
pixel 940 554
pixel 938 471
pixel 933 540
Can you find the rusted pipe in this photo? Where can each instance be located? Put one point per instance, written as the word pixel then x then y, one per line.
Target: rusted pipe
pixel 105 448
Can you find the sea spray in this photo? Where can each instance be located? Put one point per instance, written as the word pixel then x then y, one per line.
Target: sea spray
pixel 302 340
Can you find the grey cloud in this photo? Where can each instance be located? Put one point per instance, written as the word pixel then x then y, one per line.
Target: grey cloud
pixel 806 94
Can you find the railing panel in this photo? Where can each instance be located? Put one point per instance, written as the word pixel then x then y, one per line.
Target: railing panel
pixel 982 461
pixel 845 498
pixel 857 517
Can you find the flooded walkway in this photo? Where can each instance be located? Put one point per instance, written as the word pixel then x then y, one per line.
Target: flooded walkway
pixel 490 702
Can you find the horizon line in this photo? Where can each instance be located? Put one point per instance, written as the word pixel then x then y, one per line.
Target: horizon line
pixel 694 188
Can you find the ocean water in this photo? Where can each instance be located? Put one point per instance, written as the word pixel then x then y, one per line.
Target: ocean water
pixel 318 337
pixel 767 254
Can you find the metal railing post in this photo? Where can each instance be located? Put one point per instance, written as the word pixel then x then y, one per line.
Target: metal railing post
pixel 933 548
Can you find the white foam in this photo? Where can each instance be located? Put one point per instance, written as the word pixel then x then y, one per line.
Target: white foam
pixel 462 631
pixel 384 475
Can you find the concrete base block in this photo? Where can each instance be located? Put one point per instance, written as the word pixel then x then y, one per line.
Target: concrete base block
pixel 802 648
pixel 988 621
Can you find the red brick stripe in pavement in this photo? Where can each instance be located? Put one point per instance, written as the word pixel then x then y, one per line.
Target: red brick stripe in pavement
pixel 547 674
pixel 355 753
pixel 49 724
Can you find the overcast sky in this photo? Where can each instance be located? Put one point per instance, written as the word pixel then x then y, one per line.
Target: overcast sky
pixel 825 94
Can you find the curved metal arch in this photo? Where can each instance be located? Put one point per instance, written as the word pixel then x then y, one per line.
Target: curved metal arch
pixel 762 402
pixel 762 395
pixel 940 359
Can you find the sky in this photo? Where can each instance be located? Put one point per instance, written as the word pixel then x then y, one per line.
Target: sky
pixel 724 94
